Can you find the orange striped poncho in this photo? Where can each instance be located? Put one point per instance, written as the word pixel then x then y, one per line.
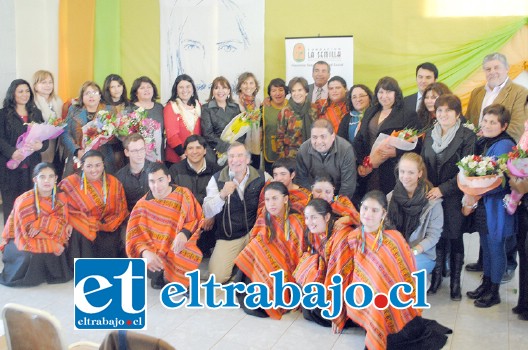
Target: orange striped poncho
pixel 379 268
pixel 333 112
pixel 262 255
pixel 313 264
pixel 46 233
pixel 88 212
pixel 299 197
pixel 155 223
pixel 342 206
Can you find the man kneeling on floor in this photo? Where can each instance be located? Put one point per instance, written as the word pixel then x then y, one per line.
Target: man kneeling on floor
pixel 164 228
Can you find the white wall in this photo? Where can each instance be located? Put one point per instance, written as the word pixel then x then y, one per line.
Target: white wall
pixel 7 46
pixel 37 37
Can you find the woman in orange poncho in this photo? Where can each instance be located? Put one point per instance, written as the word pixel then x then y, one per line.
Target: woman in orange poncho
pixel 380 258
pixel 284 171
pixel 277 242
pixel 320 239
pixel 35 234
pixel 97 206
pixel 342 206
pixel 335 107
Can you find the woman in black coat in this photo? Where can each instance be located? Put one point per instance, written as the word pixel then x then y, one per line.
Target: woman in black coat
pixel 216 114
pixel 385 116
pixel 447 143
pixel 18 110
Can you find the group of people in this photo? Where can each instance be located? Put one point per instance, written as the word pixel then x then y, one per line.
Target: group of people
pixel 287 197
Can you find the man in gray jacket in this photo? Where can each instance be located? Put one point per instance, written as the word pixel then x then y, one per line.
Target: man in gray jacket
pixel 325 153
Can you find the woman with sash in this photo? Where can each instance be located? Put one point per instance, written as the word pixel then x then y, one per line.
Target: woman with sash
pixel 36 233
pixel 97 206
pixel 276 242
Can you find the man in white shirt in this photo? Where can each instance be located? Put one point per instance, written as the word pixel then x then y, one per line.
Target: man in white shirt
pixel 232 199
pixel 426 74
pixel 320 74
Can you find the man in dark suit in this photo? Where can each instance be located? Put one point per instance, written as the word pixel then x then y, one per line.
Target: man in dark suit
pixel 426 73
pixel 320 74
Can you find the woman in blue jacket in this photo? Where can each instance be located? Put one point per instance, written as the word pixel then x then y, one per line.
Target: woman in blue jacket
pixel 491 220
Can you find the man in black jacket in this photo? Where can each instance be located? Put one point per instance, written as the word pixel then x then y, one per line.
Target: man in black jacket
pixel 194 172
pixel 232 200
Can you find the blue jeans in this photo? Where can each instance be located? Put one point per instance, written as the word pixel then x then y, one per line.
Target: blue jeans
pixel 423 262
pixel 493 257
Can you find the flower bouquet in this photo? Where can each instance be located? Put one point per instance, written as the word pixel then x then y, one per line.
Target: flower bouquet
pixel 56 121
pixel 405 139
pixel 236 128
pixel 479 174
pixel 149 129
pixel 128 124
pixel 516 163
pixel 34 132
pixel 99 131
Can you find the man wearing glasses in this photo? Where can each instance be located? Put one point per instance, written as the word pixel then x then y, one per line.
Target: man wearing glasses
pixel 133 175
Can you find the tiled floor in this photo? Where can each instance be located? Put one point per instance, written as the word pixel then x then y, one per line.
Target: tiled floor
pixel 494 328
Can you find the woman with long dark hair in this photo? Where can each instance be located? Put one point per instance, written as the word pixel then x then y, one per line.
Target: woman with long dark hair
pixel 19 109
pixel 36 234
pixel 385 116
pixel 181 116
pixel 277 242
pixel 380 257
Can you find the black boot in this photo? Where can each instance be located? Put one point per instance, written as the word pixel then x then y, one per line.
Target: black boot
pixel 457 261
pixel 491 298
pixel 481 290
pixel 436 276
pixel 446 272
pixel 477 266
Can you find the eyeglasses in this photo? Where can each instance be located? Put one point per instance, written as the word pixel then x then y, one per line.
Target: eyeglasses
pixel 91 93
pixel 137 151
pixel 358 97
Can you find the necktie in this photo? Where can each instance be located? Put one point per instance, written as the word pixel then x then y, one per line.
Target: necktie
pixel 418 101
pixel 319 94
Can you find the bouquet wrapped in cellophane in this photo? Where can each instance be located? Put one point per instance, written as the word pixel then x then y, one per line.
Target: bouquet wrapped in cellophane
pixel 236 128
pixel 35 132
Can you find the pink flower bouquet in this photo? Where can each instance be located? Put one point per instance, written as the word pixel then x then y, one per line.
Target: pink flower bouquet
pixel 35 132
pixel 99 131
pixel 516 165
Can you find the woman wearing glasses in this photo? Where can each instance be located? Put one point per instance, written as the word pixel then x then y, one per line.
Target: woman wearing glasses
pixel 89 103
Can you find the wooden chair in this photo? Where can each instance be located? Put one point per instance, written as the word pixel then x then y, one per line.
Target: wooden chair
pixel 29 328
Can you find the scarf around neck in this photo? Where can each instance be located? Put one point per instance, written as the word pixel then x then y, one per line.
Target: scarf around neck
pixel 440 142
pixel 404 212
pixel 303 113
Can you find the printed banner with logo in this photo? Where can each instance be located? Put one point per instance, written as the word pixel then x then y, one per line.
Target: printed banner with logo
pixel 337 51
